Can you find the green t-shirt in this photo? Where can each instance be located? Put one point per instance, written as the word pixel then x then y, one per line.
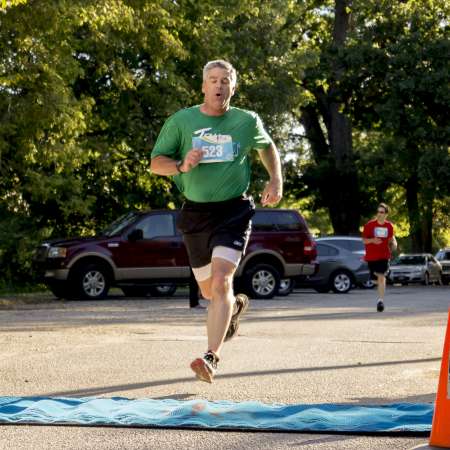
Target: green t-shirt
pixel 224 171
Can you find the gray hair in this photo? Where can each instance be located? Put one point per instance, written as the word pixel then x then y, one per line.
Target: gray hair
pixel 221 63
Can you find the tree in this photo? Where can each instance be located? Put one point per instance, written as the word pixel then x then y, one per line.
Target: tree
pixel 82 97
pixel 328 125
pixel 401 62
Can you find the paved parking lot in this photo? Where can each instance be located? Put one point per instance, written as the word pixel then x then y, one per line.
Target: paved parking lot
pixel 305 348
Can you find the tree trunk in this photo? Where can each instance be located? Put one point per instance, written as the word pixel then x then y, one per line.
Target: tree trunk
pixel 412 203
pixel 338 185
pixel 427 225
pixel 345 209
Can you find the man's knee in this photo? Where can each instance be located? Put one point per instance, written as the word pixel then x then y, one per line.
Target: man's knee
pixel 221 284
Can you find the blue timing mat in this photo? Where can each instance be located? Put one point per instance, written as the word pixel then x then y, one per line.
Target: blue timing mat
pixel 398 418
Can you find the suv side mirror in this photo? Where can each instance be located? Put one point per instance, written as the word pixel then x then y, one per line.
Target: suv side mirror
pixel 136 235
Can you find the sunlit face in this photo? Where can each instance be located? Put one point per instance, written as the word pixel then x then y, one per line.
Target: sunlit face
pixel 381 214
pixel 218 88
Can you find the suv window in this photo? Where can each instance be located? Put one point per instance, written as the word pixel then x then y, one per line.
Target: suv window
pixel 158 225
pixel 326 250
pixel 277 221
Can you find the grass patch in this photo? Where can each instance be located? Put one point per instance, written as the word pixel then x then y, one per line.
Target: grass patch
pixel 29 294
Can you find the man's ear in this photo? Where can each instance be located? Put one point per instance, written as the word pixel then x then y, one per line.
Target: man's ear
pixel 203 87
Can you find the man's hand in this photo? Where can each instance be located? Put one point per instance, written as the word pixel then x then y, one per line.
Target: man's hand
pixel 191 160
pixel 272 194
pixel 376 241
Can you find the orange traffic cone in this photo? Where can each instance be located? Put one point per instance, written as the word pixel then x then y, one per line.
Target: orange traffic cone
pixel 440 429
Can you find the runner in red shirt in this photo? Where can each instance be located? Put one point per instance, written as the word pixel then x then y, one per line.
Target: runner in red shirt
pixel 379 239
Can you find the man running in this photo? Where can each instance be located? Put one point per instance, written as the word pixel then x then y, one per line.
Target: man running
pixel 206 148
pixel 379 239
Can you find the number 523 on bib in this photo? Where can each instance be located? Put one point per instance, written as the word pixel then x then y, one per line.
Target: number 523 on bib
pixel 215 148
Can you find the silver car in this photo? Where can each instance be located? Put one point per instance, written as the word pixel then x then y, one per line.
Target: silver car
pixel 415 268
pixel 443 256
pixel 339 269
pixel 355 245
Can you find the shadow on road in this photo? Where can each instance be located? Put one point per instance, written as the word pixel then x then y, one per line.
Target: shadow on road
pixel 136 386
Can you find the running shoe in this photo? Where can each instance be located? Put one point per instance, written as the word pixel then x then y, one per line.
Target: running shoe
pixel 241 306
pixel 205 368
pixel 380 306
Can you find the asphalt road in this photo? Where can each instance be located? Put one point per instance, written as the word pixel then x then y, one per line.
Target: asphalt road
pixel 305 348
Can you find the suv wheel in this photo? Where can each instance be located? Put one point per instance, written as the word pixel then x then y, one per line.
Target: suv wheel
pixel 262 281
pixel 164 290
pixel 92 281
pixel 286 287
pixel 135 291
pixel 341 282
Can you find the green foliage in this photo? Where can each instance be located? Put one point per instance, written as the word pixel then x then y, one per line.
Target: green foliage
pixel 8 3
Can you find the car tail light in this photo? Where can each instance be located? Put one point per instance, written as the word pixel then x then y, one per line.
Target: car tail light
pixel 309 247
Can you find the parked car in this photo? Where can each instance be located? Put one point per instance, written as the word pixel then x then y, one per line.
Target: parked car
pixel 443 256
pixel 353 244
pixel 143 251
pixel 339 269
pixel 415 268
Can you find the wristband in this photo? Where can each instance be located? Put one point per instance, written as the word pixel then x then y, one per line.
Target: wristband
pixel 178 165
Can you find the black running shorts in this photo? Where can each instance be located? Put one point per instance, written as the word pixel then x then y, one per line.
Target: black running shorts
pixel 380 266
pixel 208 225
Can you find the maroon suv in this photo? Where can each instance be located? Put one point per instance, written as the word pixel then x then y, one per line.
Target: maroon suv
pixel 143 250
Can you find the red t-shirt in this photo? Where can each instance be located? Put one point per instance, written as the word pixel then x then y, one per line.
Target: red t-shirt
pixel 383 231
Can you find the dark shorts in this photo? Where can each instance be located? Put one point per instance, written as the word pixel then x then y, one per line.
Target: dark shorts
pixel 208 225
pixel 380 266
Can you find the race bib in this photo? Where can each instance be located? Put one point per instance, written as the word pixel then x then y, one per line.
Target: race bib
pixel 381 232
pixel 215 147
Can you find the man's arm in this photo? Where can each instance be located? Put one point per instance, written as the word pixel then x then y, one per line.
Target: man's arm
pixel 274 188
pixel 372 240
pixel 163 165
pixel 393 243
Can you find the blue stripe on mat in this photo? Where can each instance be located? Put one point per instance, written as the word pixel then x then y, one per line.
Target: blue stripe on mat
pixel 396 418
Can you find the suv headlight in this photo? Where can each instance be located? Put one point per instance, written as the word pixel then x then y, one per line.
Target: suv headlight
pixel 57 252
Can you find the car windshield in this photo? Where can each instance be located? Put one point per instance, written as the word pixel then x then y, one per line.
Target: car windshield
pixel 120 224
pixel 443 256
pixel 410 260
